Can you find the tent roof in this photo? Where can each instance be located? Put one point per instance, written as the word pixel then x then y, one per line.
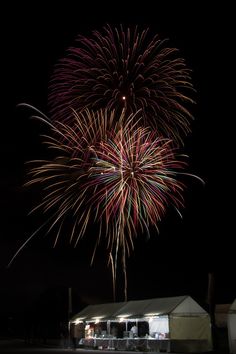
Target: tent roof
pixel 142 308
pixel 101 311
pixel 139 309
pixel 232 308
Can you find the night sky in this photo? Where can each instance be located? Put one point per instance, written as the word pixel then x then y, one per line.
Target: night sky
pixel 178 260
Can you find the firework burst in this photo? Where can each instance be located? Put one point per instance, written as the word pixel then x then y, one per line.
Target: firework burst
pixel 110 169
pixel 118 69
pixel 120 176
pixel 134 173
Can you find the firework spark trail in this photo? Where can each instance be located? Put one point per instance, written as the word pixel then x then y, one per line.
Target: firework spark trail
pixel 61 178
pixel 123 68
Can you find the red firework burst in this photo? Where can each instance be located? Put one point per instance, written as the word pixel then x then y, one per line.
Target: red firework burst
pixel 117 69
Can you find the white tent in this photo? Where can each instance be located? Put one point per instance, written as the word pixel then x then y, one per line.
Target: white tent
pixel 178 321
pixel 232 328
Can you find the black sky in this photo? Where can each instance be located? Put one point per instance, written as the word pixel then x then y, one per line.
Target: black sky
pixel 176 261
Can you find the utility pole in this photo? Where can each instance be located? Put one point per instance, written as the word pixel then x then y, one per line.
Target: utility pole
pixel 211 304
pixel 69 315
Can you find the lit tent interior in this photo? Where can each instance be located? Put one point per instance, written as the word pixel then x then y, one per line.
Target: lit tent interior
pixel 170 324
pixel 232 327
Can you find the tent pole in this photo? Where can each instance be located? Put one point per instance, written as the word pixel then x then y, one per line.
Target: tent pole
pixel 109 327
